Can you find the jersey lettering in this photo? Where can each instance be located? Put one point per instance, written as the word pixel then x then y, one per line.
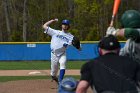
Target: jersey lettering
pixel 63 38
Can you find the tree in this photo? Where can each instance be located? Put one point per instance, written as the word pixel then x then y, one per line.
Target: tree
pixel 5 5
pixel 24 20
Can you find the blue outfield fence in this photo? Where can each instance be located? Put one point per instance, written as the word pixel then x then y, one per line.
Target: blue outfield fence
pixel 41 51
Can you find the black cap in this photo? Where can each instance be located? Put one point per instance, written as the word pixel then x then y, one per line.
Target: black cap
pixel 109 42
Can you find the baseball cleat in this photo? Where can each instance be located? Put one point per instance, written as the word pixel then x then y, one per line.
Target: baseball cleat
pixel 54 78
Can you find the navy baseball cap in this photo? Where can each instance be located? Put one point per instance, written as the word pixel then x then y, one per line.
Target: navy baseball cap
pixel 109 42
pixel 66 22
pixel 67 85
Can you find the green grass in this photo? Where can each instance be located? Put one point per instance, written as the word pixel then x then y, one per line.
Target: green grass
pixel 36 65
pixel 33 65
pixel 15 78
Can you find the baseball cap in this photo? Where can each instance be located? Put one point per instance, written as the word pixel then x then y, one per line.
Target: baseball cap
pixel 66 22
pixel 67 85
pixel 109 42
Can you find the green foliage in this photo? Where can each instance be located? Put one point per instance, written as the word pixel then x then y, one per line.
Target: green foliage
pixel 107 2
pixel 93 35
pixel 94 8
pixel 75 32
pixel 89 18
pixel 16 36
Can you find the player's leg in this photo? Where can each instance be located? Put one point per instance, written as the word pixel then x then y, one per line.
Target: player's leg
pixel 54 67
pixel 62 62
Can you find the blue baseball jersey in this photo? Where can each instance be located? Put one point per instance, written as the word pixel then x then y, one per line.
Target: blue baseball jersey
pixel 59 41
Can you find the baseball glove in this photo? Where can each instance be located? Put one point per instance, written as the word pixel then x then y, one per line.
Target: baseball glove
pixel 76 42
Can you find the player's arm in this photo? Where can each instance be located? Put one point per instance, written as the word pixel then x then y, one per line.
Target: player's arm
pixel 46 25
pixel 129 33
pixel 125 32
pixel 82 87
pixel 85 79
pixel 49 30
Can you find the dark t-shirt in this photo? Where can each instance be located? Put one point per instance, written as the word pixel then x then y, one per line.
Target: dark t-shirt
pixel 111 72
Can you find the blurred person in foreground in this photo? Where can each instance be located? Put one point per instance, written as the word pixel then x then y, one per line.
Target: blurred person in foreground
pixel 68 85
pixel 130 29
pixel 109 73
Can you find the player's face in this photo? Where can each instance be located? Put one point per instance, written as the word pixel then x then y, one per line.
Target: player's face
pixel 65 27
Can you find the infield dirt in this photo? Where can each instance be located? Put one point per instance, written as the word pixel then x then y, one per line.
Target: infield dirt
pixel 31 86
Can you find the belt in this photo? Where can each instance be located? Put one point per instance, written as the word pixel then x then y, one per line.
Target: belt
pixel 56 54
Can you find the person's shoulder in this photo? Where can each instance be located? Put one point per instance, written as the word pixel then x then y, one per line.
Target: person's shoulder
pixel 53 29
pixel 100 58
pixel 58 31
pixel 127 59
pixel 132 33
pixel 70 34
pixel 89 62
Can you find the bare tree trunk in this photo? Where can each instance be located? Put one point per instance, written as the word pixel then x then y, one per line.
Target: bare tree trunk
pixel 0 34
pixel 5 2
pixel 139 5
pixel 1 21
pixel 48 9
pixel 71 8
pixel 24 21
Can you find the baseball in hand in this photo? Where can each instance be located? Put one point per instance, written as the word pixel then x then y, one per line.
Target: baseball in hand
pixel 56 19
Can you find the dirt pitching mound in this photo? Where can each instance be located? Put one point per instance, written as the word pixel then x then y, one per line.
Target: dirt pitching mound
pixel 30 86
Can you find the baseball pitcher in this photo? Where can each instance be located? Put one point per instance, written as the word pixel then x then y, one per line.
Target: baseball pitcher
pixel 59 43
